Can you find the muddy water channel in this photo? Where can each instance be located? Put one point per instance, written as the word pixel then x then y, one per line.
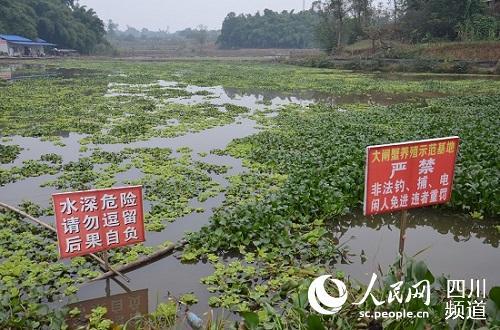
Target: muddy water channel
pixel 448 242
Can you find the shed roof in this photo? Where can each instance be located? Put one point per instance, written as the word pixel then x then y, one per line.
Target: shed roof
pixel 14 38
pixel 18 40
pixel 31 43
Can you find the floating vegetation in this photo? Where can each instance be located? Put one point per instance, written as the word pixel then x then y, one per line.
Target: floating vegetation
pixel 169 183
pixel 8 153
pixel 118 114
pixel 30 168
pixel 31 276
pixel 304 169
pixel 320 152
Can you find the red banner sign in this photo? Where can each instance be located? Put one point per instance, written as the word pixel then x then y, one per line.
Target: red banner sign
pixel 97 220
pixel 409 175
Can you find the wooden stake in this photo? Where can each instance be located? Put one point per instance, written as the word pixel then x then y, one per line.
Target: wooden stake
pixel 49 227
pixel 402 238
pixel 108 288
pixel 105 258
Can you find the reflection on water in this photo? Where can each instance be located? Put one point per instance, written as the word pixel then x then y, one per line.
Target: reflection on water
pixel 120 307
pixel 21 71
pixel 310 97
pixel 449 243
pixel 163 277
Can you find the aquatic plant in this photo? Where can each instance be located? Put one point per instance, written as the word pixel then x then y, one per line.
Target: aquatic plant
pixel 31 276
pixel 305 168
pixel 319 152
pixel 8 153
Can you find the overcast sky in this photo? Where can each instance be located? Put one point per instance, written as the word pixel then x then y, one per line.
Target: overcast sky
pixel 180 14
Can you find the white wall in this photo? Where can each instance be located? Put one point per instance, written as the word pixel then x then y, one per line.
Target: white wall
pixel 16 50
pixel 3 46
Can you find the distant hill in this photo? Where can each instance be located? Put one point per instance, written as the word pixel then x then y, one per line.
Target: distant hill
pixel 58 21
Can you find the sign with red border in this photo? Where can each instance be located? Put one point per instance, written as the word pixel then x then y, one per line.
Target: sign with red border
pixel 408 175
pixel 98 220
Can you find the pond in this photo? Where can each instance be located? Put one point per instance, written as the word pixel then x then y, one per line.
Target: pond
pixel 448 242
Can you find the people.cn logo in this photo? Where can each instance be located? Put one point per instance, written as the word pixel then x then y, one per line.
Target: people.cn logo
pixel 318 296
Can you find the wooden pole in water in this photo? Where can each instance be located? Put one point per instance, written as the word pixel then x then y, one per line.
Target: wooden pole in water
pixel 169 249
pixel 105 258
pixel 108 288
pixel 49 227
pixel 26 215
pixel 402 238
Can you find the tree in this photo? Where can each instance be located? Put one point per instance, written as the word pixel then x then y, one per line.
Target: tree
pixel 201 36
pixel 339 10
pixel 269 29
pixel 346 21
pixel 362 11
pixel 62 22
pixel 16 17
pixel 111 28
pixel 337 24
pixel 422 20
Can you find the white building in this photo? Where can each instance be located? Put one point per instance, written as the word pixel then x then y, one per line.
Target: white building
pixel 17 46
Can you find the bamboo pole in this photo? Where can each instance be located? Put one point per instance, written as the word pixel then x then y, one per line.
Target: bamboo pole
pixel 51 228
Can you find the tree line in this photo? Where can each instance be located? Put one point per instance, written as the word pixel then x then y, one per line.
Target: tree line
pixel 200 34
pixel 269 30
pixel 409 21
pixel 331 24
pixel 62 22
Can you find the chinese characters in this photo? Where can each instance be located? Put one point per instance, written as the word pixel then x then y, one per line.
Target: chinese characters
pixel 463 305
pixel 409 175
pixel 97 220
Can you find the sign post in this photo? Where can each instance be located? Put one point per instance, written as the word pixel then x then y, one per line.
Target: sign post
pixel 402 176
pixel 88 222
pixel 402 238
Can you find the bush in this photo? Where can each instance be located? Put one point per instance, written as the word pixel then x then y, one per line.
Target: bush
pixel 424 65
pixel 479 27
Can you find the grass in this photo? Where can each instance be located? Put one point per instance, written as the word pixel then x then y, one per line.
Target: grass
pixel 472 51
pixel 444 50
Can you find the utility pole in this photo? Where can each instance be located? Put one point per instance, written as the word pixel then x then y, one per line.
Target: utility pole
pixel 303 5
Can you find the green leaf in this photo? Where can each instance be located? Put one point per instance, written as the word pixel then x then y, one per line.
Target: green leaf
pixel 251 320
pixel 314 323
pixel 495 295
pixel 419 271
pixel 189 299
pixel 429 277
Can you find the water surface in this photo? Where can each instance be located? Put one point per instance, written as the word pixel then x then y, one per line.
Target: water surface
pixel 451 242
